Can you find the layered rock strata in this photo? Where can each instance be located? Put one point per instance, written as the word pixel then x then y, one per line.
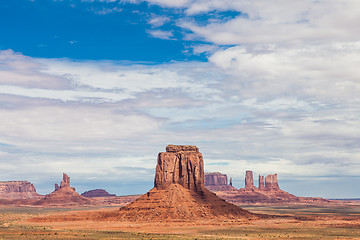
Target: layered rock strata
pixel 182 165
pixel 249 180
pixel 17 190
pixel 271 183
pixel 179 192
pixel 261 183
pixel 218 182
pixel 268 192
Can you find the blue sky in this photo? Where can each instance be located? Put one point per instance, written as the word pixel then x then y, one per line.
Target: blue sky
pixel 96 88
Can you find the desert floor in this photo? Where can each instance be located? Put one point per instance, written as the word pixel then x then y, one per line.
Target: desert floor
pixel 293 222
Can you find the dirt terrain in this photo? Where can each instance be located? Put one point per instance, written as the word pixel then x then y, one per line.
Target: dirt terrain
pixel 293 222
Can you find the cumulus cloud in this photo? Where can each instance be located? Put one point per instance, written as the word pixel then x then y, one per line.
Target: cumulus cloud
pixel 158 21
pixel 161 34
pixel 278 94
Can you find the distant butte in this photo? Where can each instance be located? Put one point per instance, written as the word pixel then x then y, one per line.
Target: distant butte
pixel 64 195
pixel 11 190
pixel 97 193
pixel 268 191
pixel 218 182
pixel 179 192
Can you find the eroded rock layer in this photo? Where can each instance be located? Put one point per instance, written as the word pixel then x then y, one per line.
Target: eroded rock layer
pixel 218 182
pixel 64 195
pixel 17 190
pixel 180 164
pixel 249 180
pixel 267 192
pixel 179 192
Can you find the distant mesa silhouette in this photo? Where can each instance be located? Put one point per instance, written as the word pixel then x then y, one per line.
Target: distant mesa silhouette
pixel 97 193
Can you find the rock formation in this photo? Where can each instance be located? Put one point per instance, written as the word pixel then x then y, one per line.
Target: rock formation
pixel 271 183
pixel 17 190
pixel 215 179
pixel 97 193
pixel 249 180
pixel 182 165
pixel 179 192
pixel 65 182
pixel 268 192
pixel 64 195
pixel 218 182
pixel 261 183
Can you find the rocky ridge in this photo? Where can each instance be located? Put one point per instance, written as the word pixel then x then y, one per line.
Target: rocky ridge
pixel 18 190
pixel 267 192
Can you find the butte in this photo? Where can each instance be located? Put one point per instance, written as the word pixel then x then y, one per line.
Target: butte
pixel 179 193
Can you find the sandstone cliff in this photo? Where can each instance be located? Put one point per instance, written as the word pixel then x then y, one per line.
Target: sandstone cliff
pixel 271 183
pixel 215 179
pixel 17 190
pixel 261 183
pixel 218 182
pixel 182 165
pixel 268 192
pixel 179 192
pixel 249 180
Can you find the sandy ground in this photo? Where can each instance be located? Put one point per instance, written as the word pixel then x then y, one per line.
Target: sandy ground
pixel 293 222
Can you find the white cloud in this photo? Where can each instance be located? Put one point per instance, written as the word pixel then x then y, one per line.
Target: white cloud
pixel 325 73
pixel 158 21
pixel 161 34
pixel 283 99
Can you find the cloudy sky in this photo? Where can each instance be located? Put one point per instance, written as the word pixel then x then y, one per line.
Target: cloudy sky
pixel 96 88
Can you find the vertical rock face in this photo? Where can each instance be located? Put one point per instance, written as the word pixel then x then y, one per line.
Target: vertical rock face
pixel 215 179
pixel 56 187
pixel 65 182
pixel 230 182
pixel 261 183
pixel 271 182
pixel 180 164
pixel 17 190
pixel 179 192
pixel 249 180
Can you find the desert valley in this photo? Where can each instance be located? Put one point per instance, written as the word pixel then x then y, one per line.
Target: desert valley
pixel 185 203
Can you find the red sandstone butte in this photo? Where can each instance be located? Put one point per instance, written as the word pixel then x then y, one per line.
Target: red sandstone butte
pixel 64 195
pixel 267 192
pixel 218 182
pixel 249 180
pixel 179 193
pixel 11 190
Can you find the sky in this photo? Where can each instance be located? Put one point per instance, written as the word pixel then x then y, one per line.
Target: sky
pixel 97 88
